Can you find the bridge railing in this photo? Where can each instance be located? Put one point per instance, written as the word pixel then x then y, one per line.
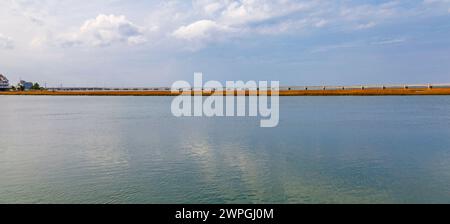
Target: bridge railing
pixel 282 88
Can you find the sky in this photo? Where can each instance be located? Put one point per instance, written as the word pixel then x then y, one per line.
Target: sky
pixel 143 43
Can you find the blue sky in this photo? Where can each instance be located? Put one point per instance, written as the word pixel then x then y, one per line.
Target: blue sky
pixel 154 43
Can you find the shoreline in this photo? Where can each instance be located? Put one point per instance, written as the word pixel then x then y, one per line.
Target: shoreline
pixel 353 92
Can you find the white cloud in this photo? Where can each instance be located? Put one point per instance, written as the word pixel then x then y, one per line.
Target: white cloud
pixel 360 43
pixel 247 11
pixel 104 31
pixel 200 21
pixel 366 26
pixel 283 27
pixel 202 29
pixel 211 8
pixel 277 17
pixel 327 48
pixel 224 17
pixel 389 41
pixel 321 23
pixel 6 42
pixel 34 11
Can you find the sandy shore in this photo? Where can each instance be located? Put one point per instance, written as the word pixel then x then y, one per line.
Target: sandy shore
pixel 353 92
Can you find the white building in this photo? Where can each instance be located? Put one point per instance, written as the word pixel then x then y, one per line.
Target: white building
pixel 4 83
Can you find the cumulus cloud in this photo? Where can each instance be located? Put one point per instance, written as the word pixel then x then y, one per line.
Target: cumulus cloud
pixel 221 19
pixel 250 17
pixel 6 42
pixel 206 21
pixel 202 29
pixel 105 30
pixel 245 16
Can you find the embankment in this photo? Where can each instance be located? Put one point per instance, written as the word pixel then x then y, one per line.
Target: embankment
pixel 353 92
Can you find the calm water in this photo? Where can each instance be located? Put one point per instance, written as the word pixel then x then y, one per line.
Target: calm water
pixel 132 150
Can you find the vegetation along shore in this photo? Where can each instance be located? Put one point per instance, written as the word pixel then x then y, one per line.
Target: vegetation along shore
pixel 331 92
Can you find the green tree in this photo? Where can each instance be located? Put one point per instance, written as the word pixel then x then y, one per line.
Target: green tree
pixel 36 86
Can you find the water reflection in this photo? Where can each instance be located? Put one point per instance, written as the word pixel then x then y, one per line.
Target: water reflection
pixel 131 150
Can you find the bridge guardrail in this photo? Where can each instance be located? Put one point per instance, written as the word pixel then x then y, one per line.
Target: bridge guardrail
pixel 282 88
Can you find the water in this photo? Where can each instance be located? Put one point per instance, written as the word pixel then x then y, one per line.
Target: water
pixel 132 150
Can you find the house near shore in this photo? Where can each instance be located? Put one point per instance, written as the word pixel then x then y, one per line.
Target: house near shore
pixel 26 85
pixel 4 83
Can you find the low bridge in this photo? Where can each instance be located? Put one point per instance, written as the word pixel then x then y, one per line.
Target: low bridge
pixel 282 88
